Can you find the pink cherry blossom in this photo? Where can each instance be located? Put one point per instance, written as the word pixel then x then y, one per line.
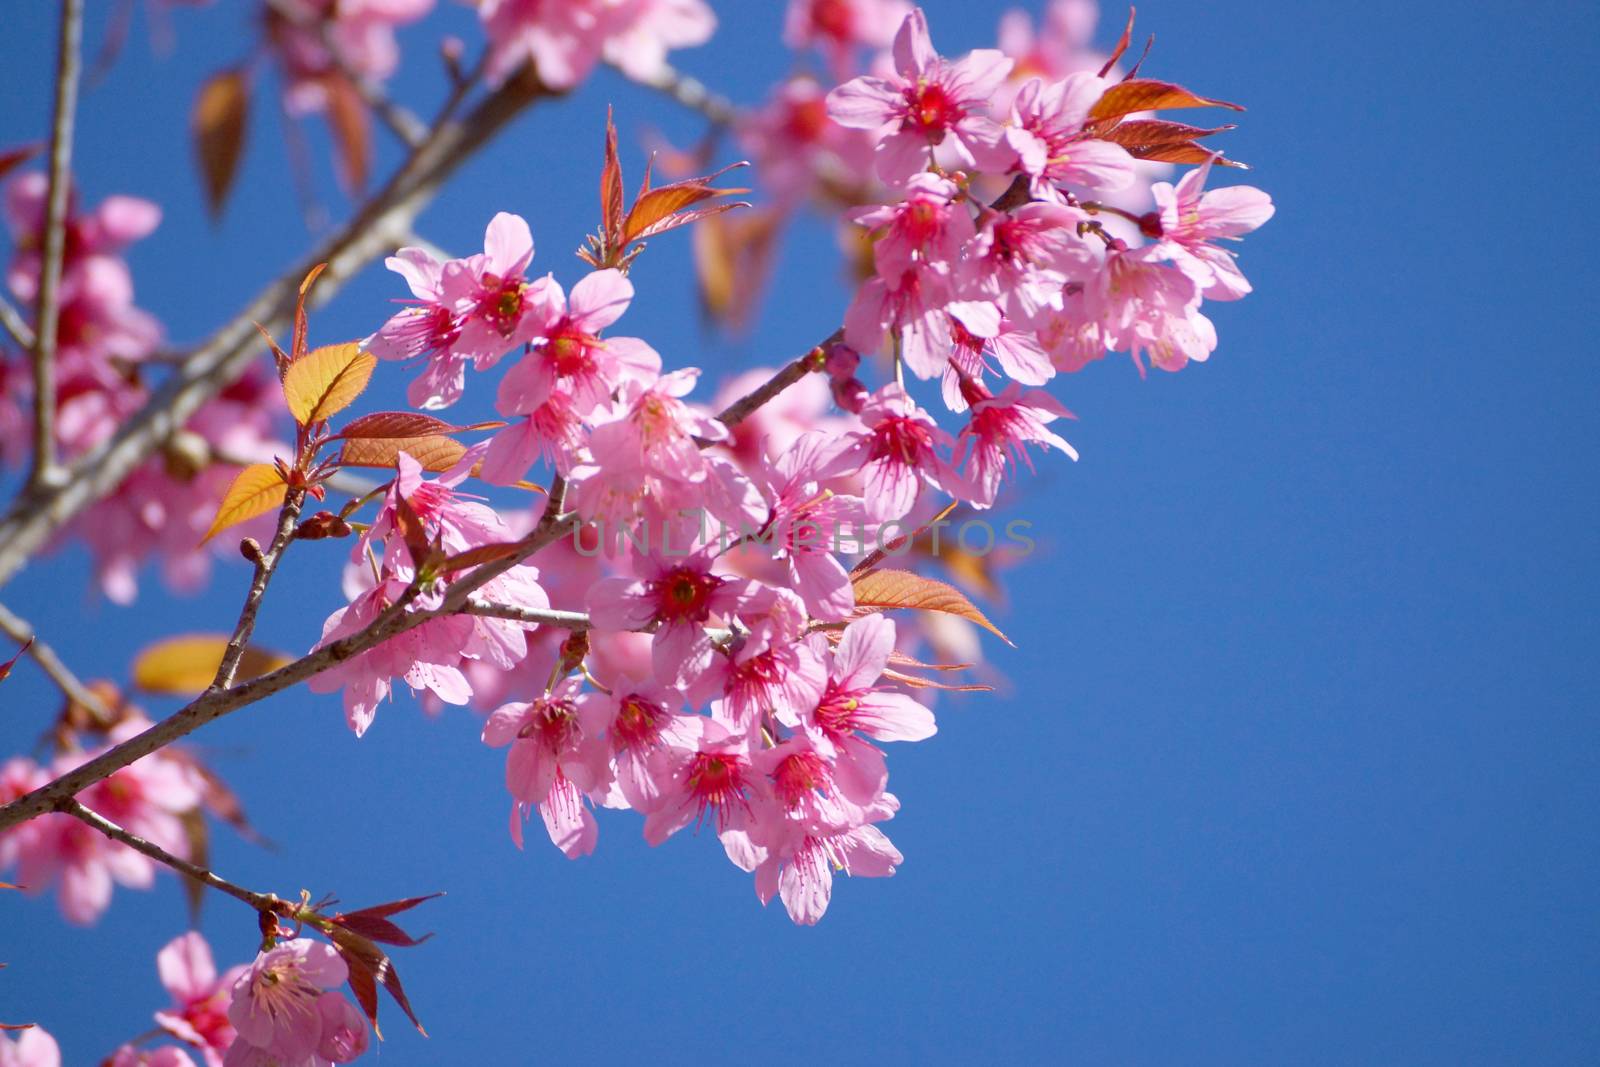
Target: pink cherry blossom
pixel 641 725
pixel 551 764
pixel 796 147
pixel 808 523
pixel 199 1014
pixel 712 778
pixel 853 704
pixel 496 304
pixel 283 1008
pixel 912 308
pixel 361 30
pixel 1053 147
pixel 996 432
pixel 842 27
pixel 33 1047
pixel 927 227
pixel 165 1056
pixel 677 596
pixel 427 329
pixel 1192 218
pixel 798 862
pixel 567 351
pixel 1023 258
pixel 930 110
pixel 566 38
pixel 896 453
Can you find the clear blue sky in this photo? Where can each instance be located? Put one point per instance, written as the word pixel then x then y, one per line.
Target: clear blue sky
pixel 1298 762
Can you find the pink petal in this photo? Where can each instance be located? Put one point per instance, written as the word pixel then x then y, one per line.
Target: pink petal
pixel 599 299
pixel 507 244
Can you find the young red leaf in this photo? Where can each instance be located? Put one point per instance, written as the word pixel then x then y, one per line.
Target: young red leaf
pixel 1158 131
pixel 1146 94
pixel 476 557
pixel 1122 43
pixel 611 188
pixel 396 424
pixel 218 121
pixel 5 668
pixel 1182 153
pixel 364 956
pixel 12 158
pixel 888 589
pixel 298 346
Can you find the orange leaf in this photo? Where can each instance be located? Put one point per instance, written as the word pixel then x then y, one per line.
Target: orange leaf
pixel 902 589
pixel 656 207
pixel 258 488
pixel 185 665
pixel 323 382
pixel 297 344
pixel 1147 94
pixel 1158 131
pixel 611 186
pixel 1182 153
pixel 217 123
pixel 435 452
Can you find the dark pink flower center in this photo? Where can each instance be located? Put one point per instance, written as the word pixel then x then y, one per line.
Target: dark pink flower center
pixel 902 439
pixel 500 301
pixel 716 781
pixel 684 594
pixel 570 350
pixel 833 19
pixel 798 777
pixel 638 722
pixel 836 714
pixel 554 722
pixel 930 110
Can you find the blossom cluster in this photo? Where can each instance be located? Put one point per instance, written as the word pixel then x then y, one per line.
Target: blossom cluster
pixel 105 348
pixel 741 685
pixel 282 1009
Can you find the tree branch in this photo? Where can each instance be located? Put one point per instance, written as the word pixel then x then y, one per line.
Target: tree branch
pixel 813 360
pixel 219 360
pixel 552 617
pixel 262 902
pixel 47 318
pixel 21 631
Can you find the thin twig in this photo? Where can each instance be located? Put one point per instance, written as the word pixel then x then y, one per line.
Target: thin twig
pixel 266 564
pixel 47 318
pixel 263 902
pixel 11 319
pixel 21 631
pixel 813 360
pixel 552 617
pixel 692 93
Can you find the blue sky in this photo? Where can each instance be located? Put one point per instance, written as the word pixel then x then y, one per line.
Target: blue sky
pixel 1297 760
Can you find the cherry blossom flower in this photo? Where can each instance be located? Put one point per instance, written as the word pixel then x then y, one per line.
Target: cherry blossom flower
pixel 996 432
pixel 842 27
pixel 896 453
pixel 566 38
pixel 1054 149
pixel 930 110
pixel 199 1014
pixel 165 1056
pixel 566 348
pixel 797 864
pixel 33 1047
pixel 678 596
pixel 552 762
pixel 286 1009
pixel 1192 218
pixel 927 226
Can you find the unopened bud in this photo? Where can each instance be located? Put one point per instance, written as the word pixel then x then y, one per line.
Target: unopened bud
pixel 1150 224
pixel 323 524
pixel 185 455
pixel 849 394
pixel 250 549
pixel 841 361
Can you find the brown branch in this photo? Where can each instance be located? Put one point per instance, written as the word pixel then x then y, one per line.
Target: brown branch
pixel 262 902
pixel 552 617
pixel 48 310
pixel 21 631
pixel 373 231
pixel 813 360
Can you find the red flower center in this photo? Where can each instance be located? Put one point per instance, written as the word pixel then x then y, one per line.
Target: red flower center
pixel 685 595
pixel 836 714
pixel 902 439
pixel 833 19
pixel 569 349
pixel 716 781
pixel 638 721
pixel 500 301
pixel 930 110
pixel 798 776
